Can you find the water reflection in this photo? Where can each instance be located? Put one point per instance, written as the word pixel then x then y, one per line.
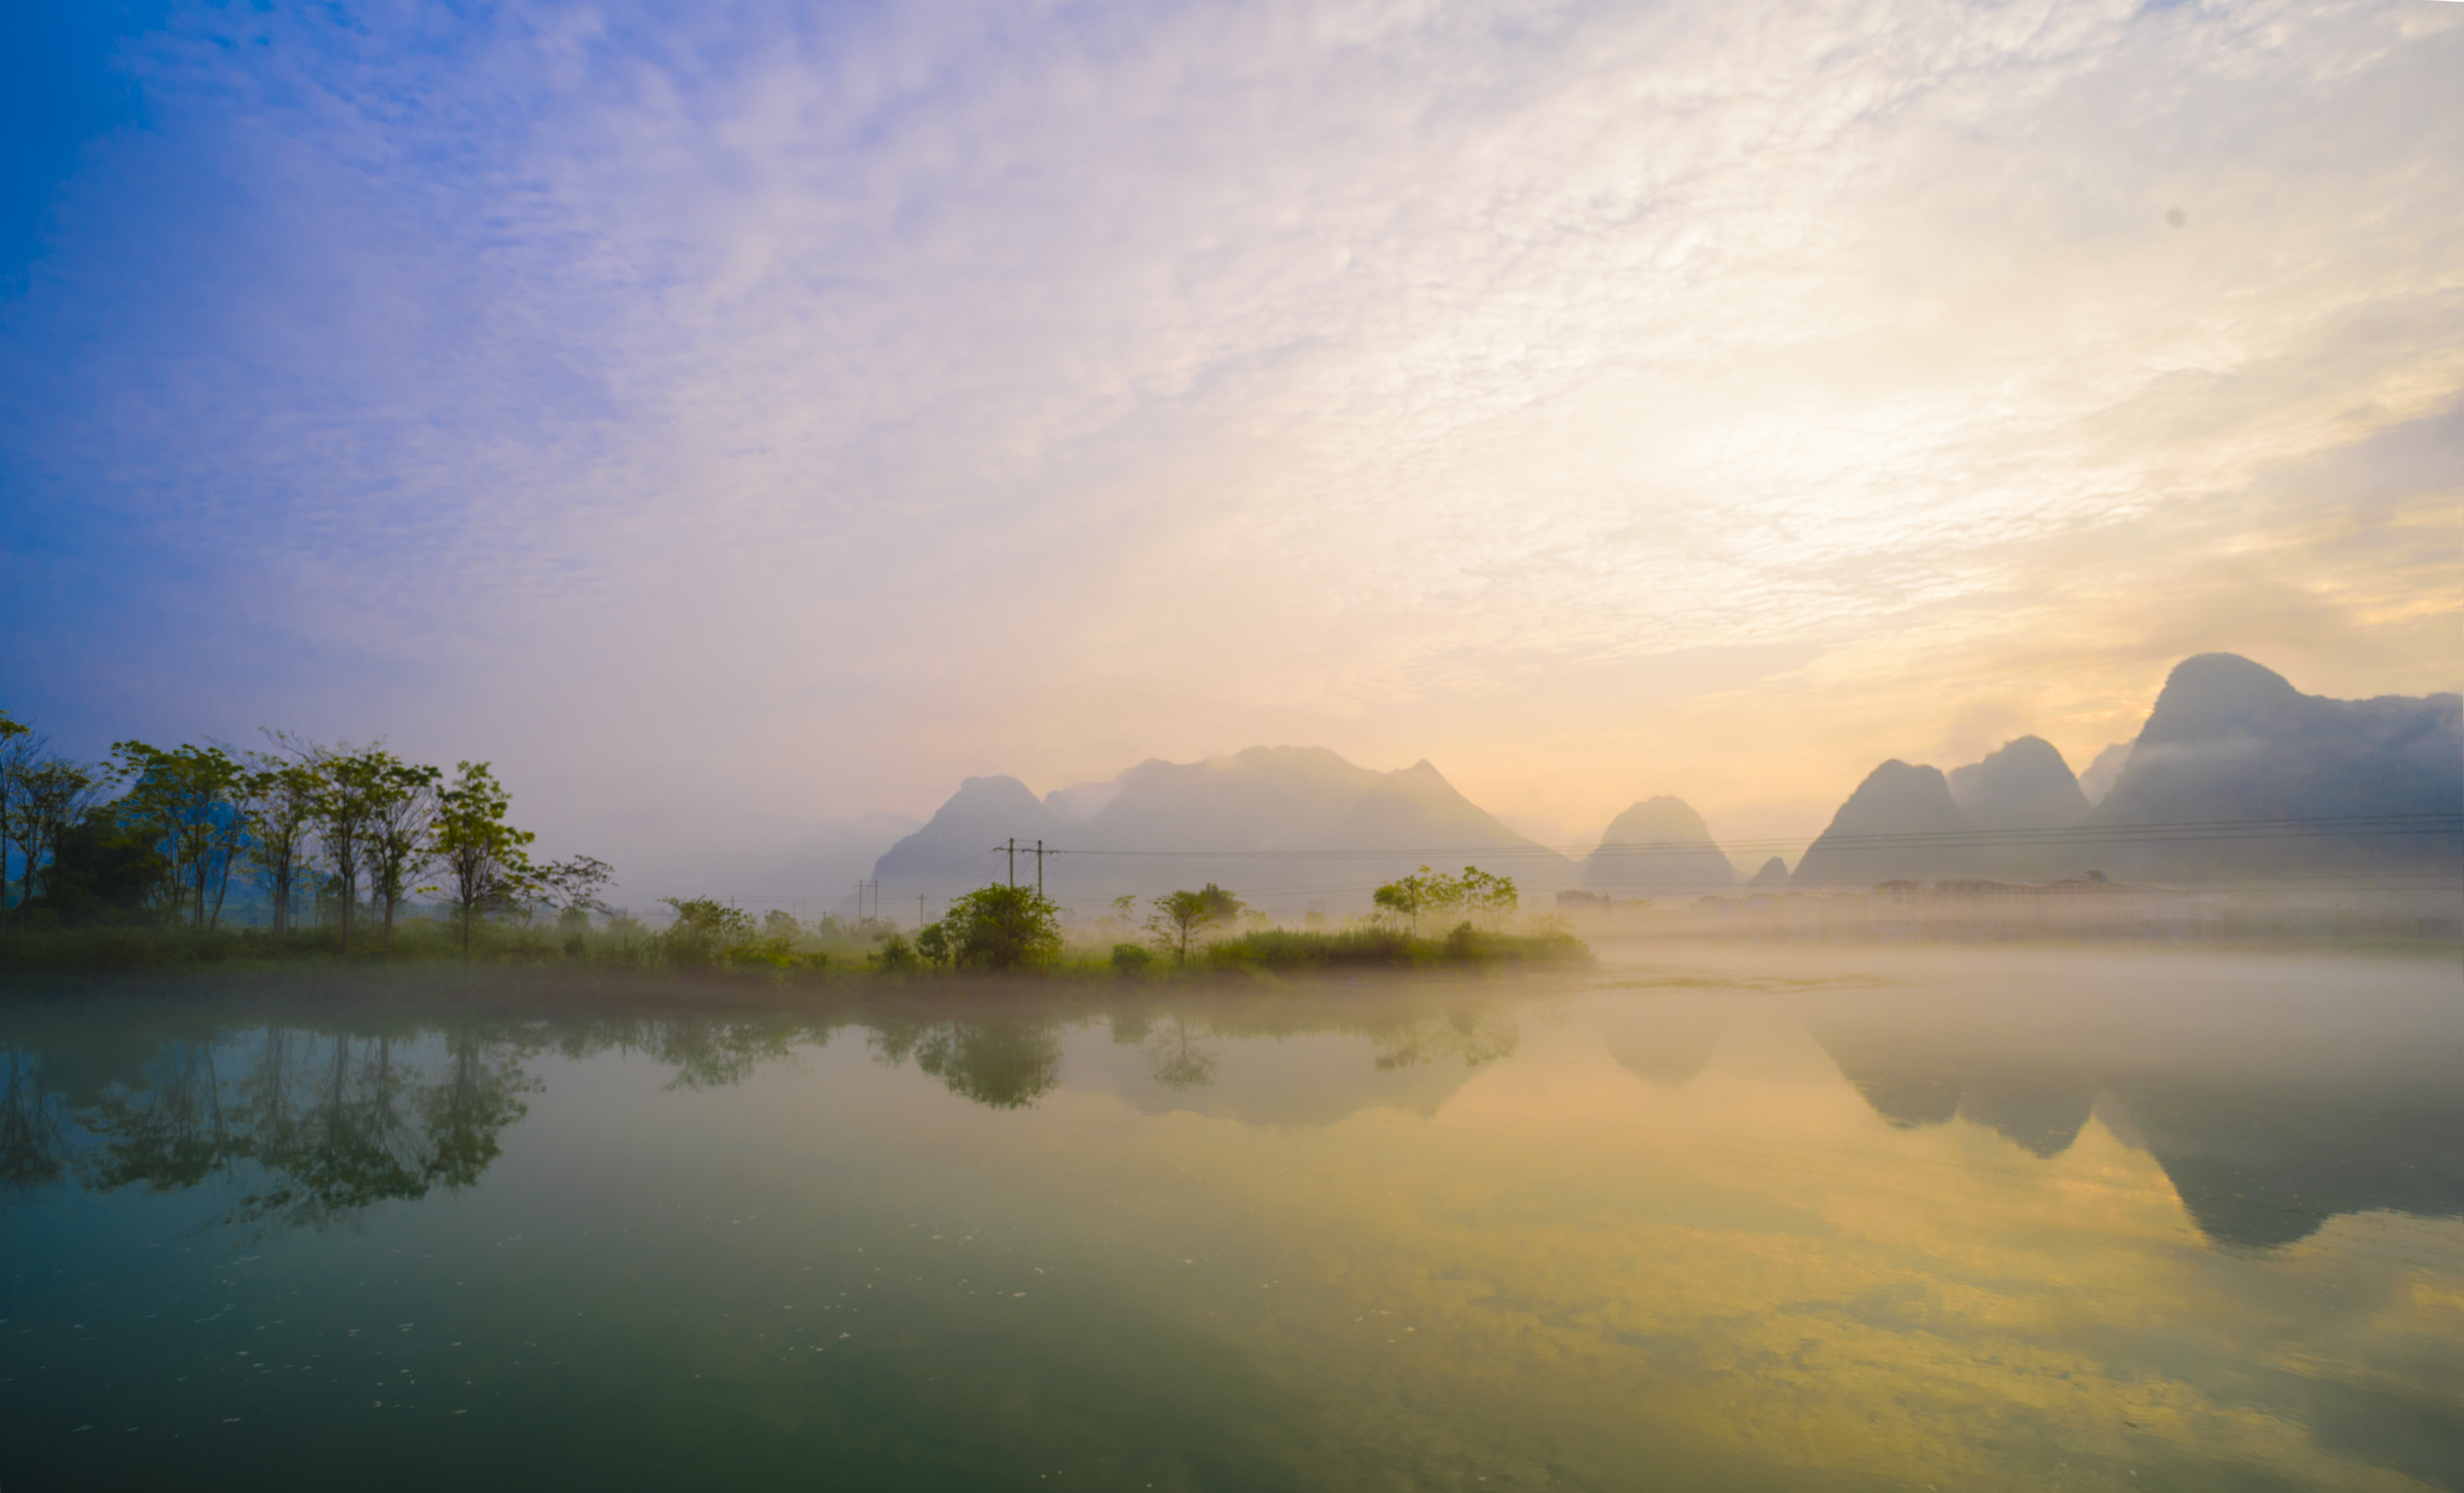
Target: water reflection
pixel 32 1147
pixel 307 1126
pixel 1751 1231
pixel 2263 1148
pixel 1004 1063
pixel 311 1124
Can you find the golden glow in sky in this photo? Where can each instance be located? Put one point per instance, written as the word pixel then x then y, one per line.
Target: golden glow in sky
pixel 1598 401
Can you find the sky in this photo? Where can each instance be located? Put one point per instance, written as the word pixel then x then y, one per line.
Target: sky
pixel 733 420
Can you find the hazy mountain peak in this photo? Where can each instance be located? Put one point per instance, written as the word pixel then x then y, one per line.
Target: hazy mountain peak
pixel 1773 873
pixel 1895 800
pixel 2232 741
pixel 983 811
pixel 1678 854
pixel 2214 695
pixel 1658 821
pixel 1081 801
pixel 2023 784
pixel 1161 825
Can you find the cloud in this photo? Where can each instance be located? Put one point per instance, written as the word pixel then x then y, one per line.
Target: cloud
pixel 847 402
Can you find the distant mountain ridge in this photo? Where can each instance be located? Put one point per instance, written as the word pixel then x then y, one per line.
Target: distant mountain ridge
pixel 2227 740
pixel 1283 825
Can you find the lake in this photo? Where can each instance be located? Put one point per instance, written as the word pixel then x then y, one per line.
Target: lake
pixel 1701 1217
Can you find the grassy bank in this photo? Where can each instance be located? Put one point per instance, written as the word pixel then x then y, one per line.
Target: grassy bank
pixel 1283 949
pixel 34 954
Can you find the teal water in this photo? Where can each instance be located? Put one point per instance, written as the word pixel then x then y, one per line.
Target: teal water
pixel 1757 1219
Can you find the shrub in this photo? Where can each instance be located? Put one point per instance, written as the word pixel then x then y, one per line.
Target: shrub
pixel 1130 959
pixel 705 932
pixel 896 956
pixel 1004 928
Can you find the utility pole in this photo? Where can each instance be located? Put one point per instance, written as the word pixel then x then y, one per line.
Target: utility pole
pixel 1037 850
pixel 919 912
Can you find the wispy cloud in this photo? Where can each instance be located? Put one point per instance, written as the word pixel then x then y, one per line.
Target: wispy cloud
pixel 862 398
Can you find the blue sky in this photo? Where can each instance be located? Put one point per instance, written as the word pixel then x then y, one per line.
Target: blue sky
pixel 733 419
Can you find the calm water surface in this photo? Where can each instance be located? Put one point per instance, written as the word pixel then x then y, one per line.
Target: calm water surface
pixel 1708 1221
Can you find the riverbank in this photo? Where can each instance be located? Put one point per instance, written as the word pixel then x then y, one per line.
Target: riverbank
pixel 34 959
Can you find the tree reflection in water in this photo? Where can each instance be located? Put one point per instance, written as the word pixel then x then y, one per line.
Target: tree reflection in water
pixel 1006 1064
pixel 33 1151
pixel 309 1125
pixel 308 1129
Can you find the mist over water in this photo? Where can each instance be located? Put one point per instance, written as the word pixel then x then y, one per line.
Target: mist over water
pixel 1752 1216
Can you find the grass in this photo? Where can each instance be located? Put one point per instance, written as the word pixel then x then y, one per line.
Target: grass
pixel 419 941
pixel 1284 950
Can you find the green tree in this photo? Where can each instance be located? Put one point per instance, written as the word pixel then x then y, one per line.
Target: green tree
pixel 101 869
pixel 195 803
pixel 1004 928
pixel 706 930
pixel 54 795
pixel 19 749
pixel 1405 897
pixel 485 868
pixel 1183 915
pixel 285 795
pixel 350 787
pixel 573 886
pixel 400 836
pixel 1487 897
pixel 933 944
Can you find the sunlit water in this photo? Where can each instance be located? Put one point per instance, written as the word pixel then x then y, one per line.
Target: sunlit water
pixel 1838 1220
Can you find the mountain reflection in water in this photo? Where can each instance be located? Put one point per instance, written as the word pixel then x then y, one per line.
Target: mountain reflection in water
pixel 1763 1218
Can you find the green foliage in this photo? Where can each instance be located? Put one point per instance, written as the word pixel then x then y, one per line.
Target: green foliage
pixel 485 868
pixel 1180 917
pixel 706 930
pixel 897 956
pixel 1486 897
pixel 102 874
pixel 191 804
pixel 49 797
pixel 933 944
pixel 284 793
pixel 1131 959
pixel 1003 928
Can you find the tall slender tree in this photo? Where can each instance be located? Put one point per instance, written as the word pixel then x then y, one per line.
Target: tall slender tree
pixel 350 785
pixel 56 795
pixel 284 791
pixel 18 747
pixel 485 864
pixel 401 831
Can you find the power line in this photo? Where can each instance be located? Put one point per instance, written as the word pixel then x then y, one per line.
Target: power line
pixel 2189 831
